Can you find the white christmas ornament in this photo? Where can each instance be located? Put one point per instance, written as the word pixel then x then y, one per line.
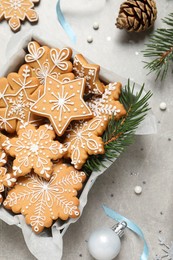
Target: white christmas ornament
pixel 104 243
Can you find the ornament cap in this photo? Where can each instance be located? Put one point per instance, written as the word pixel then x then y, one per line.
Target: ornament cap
pixel 119 228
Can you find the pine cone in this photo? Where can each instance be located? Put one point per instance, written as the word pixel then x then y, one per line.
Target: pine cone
pixel 137 15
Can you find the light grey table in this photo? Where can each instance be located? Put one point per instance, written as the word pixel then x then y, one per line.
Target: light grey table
pixel 148 162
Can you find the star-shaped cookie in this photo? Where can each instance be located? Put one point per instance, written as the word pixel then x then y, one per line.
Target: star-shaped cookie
pixel 90 72
pixel 62 103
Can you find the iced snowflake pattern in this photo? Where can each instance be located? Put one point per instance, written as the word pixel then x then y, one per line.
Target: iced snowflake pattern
pixel 83 138
pixel 34 148
pixel 48 62
pixel 18 10
pixel 62 103
pixel 18 93
pixel 6 180
pixel 42 202
pixel 18 106
pixel 90 72
pixel 108 103
pixel 3 158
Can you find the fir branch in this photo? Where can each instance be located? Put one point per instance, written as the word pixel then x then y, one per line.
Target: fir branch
pixel 160 48
pixel 119 134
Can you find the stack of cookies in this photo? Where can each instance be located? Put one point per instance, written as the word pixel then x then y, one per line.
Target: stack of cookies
pixel 53 113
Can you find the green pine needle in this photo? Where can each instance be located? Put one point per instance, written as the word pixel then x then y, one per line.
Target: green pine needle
pixel 160 48
pixel 119 134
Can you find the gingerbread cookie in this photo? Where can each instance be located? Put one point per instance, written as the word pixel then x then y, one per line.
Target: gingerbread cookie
pixel 34 149
pixel 16 11
pixel 49 62
pixel 6 180
pixel 17 93
pixel 108 103
pixel 3 156
pixel 82 69
pixel 42 202
pixel 62 103
pixel 83 138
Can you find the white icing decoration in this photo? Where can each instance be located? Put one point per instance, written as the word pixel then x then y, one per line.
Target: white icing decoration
pixel 100 105
pixel 59 58
pixel 6 179
pixel 44 69
pixel 61 103
pixel 47 198
pixel 82 138
pixel 82 70
pixel 2 158
pixel 31 144
pixel 16 10
pixel 18 103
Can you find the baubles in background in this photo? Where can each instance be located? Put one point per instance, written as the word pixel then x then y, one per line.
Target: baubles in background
pixel 104 243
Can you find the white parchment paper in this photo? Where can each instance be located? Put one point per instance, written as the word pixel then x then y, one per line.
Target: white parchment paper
pixel 49 245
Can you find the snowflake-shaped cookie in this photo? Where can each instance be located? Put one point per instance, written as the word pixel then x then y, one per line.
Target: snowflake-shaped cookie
pixel 47 61
pixel 17 93
pixel 16 11
pixel 6 180
pixel 82 69
pixel 62 103
pixel 34 149
pixel 108 103
pixel 83 138
pixel 42 202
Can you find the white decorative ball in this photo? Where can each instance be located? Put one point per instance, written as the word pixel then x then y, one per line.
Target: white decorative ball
pixel 89 39
pixel 104 244
pixel 138 189
pixel 95 26
pixel 163 106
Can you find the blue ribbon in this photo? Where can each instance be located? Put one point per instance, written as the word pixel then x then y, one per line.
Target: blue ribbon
pixel 132 226
pixel 64 23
